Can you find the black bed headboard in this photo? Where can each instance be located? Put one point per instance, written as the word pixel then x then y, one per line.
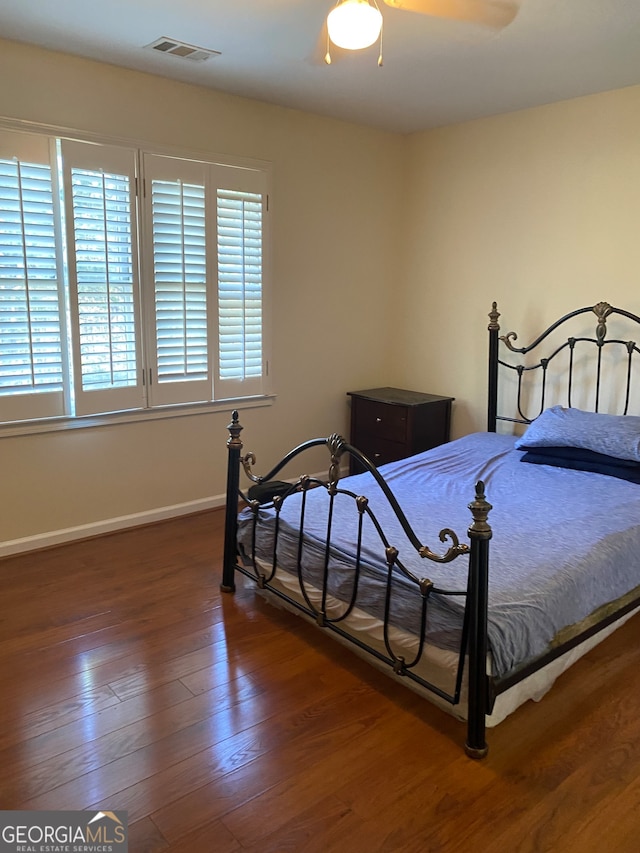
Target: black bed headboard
pixel 569 354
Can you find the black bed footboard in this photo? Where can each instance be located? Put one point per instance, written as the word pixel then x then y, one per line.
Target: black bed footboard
pixel 321 591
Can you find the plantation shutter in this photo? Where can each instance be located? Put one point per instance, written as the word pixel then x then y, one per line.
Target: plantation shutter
pixel 32 363
pixel 99 185
pixel 128 280
pixel 176 240
pixel 240 217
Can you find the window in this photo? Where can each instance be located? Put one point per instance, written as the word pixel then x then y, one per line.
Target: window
pixel 128 280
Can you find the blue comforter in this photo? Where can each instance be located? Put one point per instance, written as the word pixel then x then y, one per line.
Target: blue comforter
pixel 564 542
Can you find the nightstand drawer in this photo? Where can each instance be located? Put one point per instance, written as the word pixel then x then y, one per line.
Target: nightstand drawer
pixel 382 421
pixel 380 451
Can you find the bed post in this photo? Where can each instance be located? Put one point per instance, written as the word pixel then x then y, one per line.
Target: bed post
pixel 492 391
pixel 480 534
pixel 234 443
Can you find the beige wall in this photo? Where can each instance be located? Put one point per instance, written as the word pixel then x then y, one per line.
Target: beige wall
pixel 539 210
pixel 388 252
pixel 336 205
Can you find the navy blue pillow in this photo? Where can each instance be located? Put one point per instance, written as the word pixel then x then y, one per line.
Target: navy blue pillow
pixel 579 459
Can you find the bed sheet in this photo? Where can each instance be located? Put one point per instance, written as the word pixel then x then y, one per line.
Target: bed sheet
pixel 564 544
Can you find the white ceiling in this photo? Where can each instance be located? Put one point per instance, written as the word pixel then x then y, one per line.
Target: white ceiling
pixel 435 71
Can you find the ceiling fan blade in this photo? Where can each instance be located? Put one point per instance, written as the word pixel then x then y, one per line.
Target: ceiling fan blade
pixel 488 13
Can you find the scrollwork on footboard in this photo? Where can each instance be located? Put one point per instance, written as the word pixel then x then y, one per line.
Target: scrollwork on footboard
pixel 248 460
pixel 336 445
pixel 451 553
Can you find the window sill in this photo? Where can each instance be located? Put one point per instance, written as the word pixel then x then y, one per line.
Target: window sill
pixel 136 416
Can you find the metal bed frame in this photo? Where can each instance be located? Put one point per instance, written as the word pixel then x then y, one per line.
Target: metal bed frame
pixel 483 688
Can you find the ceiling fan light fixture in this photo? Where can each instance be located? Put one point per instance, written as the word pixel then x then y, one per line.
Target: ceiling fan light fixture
pixel 354 24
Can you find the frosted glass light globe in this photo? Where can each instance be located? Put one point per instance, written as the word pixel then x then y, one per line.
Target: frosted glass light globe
pixel 354 24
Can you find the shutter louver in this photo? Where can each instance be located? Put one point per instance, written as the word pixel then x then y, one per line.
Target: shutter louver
pixel 239 219
pixel 104 297
pixel 179 261
pixel 31 356
pixel 104 279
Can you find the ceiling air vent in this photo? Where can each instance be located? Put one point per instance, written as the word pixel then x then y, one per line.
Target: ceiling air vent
pixel 182 49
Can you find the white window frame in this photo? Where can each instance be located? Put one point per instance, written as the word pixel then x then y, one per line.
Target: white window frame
pixel 232 179
pixel 148 400
pixel 26 148
pixel 122 161
pixel 163 393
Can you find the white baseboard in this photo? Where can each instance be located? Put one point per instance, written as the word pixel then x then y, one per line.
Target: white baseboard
pixel 109 525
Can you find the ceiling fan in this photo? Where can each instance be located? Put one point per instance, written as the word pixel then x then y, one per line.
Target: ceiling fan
pixel 356 24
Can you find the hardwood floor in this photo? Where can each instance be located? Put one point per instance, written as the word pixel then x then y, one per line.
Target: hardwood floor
pixel 130 682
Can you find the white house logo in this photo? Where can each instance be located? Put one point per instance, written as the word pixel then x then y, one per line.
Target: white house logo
pixel 63 832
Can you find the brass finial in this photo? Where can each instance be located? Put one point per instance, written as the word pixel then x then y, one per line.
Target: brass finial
pixel 493 317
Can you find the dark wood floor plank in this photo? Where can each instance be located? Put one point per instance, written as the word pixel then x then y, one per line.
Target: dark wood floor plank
pixel 590 784
pixel 312 779
pixel 145 837
pixel 293 697
pixel 324 826
pixel 222 723
pixel 114 640
pixel 16 759
pixel 598 832
pixel 208 711
pixel 173 781
pixel 254 747
pixel 49 715
pixel 214 837
pixel 202 668
pixel 156 653
pixel 42 637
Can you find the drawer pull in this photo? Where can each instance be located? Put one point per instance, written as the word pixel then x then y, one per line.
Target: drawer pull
pixel 378 420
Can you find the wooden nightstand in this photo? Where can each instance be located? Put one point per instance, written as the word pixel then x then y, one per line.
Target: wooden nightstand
pixel 391 423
